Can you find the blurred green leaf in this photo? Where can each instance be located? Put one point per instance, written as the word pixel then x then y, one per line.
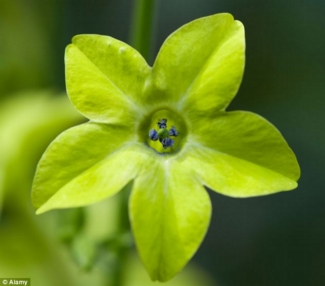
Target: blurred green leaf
pixel 28 121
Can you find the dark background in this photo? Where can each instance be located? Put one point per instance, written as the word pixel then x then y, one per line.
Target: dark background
pixel 276 240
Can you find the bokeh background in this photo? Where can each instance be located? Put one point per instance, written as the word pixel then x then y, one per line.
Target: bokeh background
pixel 276 240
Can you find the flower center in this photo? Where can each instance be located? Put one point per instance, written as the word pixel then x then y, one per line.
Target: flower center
pixel 165 131
pixel 163 134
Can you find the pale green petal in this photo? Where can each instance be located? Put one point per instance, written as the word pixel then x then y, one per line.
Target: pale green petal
pixel 105 78
pixel 220 78
pixel 100 181
pixel 240 154
pixel 170 213
pixel 233 176
pixel 200 66
pixel 77 159
pixel 250 137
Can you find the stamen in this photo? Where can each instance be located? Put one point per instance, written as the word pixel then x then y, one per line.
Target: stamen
pixel 153 135
pixel 173 131
pixel 162 123
pixel 167 142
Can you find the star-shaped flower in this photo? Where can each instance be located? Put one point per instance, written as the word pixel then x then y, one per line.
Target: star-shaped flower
pixel 166 129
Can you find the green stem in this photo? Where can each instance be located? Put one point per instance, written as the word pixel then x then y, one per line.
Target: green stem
pixel 142 26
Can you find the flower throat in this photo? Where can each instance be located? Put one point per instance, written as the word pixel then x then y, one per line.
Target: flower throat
pixel 163 134
pixel 165 131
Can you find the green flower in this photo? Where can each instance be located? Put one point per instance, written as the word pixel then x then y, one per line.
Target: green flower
pixel 195 76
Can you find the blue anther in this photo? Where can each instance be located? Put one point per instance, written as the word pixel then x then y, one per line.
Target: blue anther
pixel 173 131
pixel 162 123
pixel 167 142
pixel 153 135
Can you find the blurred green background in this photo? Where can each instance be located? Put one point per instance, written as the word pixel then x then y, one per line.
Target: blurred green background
pixel 276 240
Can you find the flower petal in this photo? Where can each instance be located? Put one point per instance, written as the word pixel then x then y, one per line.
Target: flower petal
pixel 240 154
pixel 170 213
pixel 200 66
pixel 105 78
pixel 83 165
pixel 219 80
pixel 235 177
